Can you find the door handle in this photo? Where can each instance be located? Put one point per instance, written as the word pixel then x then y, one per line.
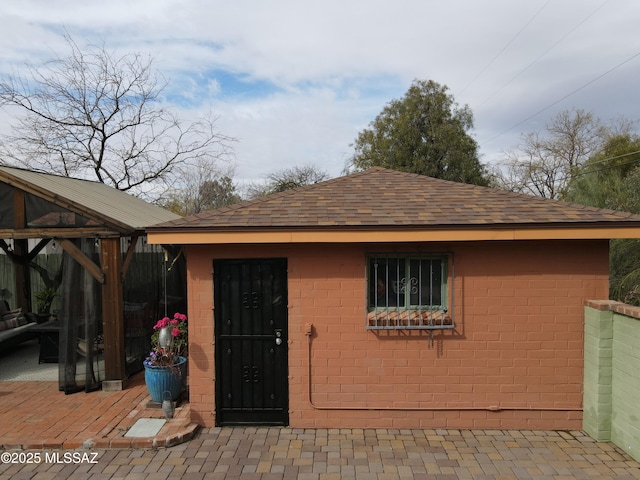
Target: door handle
pixel 278 334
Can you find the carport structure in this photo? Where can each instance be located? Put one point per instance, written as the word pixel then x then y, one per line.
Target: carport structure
pixel 67 211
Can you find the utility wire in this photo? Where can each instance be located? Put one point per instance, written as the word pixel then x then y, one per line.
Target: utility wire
pixel 546 52
pixel 530 183
pixel 505 47
pixel 608 167
pixel 622 155
pixel 564 97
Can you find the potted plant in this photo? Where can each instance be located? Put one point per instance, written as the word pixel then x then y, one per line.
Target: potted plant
pixel 165 369
pixel 44 300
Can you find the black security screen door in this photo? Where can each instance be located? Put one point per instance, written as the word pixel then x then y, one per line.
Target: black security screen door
pixel 251 342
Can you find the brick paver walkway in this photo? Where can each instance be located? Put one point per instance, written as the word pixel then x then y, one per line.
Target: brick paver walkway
pixel 38 415
pixel 376 454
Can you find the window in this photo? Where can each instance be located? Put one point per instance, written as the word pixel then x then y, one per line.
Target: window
pixel 408 291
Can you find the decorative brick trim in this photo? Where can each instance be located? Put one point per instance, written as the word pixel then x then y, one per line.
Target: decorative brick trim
pixel 613 306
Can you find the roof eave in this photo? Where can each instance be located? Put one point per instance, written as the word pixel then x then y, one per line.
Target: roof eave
pixel 396 233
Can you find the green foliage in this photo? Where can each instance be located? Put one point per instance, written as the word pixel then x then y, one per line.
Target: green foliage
pixel 178 328
pixel 44 299
pixel 202 195
pixel 425 132
pixel 610 179
pixel 624 276
pixel 218 193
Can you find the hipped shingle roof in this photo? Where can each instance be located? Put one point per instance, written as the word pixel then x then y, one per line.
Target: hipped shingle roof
pixel 386 199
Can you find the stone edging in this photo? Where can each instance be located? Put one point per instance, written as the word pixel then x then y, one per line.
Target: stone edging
pixel 112 443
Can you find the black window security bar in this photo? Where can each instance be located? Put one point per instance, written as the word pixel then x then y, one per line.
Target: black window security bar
pixel 410 291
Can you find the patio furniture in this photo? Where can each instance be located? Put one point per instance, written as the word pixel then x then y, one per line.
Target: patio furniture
pixel 15 327
pixel 49 341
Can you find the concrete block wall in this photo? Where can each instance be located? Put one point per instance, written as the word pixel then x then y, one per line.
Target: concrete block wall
pixel 625 421
pixel 514 360
pixel 598 373
pixel 612 374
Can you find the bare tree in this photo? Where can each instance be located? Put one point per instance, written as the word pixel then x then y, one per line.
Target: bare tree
pixel 288 178
pixel 99 116
pixel 202 188
pixel 544 162
pixel 533 169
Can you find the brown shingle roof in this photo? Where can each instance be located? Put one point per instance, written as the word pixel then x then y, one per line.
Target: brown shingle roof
pixel 382 199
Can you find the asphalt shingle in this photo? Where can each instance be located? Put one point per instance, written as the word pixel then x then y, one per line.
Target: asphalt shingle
pixel 382 198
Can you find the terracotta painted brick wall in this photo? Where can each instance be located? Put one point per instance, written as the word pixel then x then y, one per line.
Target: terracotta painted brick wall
pixel 514 360
pixel 201 353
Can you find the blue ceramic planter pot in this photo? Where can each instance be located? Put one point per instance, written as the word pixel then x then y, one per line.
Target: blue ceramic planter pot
pixel 166 379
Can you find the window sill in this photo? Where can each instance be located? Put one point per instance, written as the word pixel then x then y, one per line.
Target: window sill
pixel 408 319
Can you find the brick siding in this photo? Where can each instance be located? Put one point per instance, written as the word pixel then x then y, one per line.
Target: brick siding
pixel 514 360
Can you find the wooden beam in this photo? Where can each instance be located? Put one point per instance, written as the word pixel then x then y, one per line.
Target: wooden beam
pixel 23 275
pixel 129 255
pixel 30 256
pixel 37 249
pixel 19 209
pixel 113 311
pixel 21 250
pixel 5 248
pixel 94 270
pixel 80 232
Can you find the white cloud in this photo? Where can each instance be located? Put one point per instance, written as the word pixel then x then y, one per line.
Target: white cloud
pixel 296 81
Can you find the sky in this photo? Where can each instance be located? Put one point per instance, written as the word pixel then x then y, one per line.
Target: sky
pixel 294 82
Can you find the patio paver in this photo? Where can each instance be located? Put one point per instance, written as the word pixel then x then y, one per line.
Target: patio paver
pixel 35 418
pixel 370 454
pixel 38 415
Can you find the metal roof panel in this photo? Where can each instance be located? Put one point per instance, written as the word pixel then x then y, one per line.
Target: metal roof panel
pixel 107 203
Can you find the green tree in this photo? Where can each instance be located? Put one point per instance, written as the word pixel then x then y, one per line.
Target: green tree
pixel 425 132
pixel 544 161
pixel 201 188
pixel 606 179
pixel 217 193
pixel 610 179
pixel 624 274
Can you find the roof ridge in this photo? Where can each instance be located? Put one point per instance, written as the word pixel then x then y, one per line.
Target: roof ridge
pixel 272 196
pixel 57 175
pixel 508 193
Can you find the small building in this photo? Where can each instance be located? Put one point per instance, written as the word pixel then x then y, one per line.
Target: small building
pixel 387 299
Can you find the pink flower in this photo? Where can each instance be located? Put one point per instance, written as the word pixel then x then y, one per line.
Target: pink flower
pixel 162 323
pixel 178 328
